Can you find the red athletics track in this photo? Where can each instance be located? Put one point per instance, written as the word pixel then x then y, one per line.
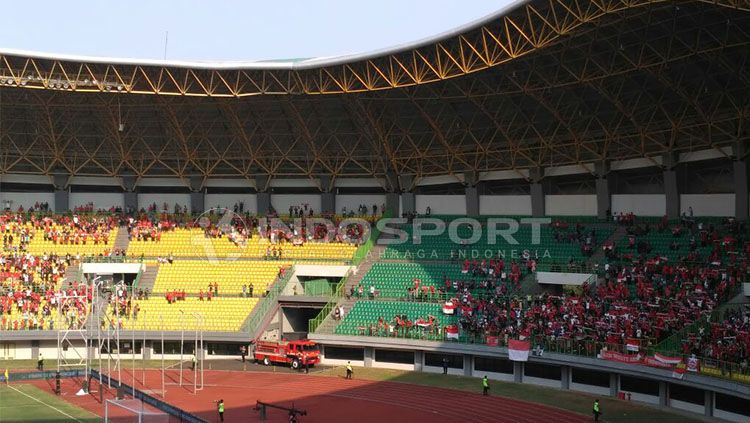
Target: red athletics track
pixel 333 400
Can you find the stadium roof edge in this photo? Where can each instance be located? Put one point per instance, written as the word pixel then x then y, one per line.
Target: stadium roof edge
pixel 274 64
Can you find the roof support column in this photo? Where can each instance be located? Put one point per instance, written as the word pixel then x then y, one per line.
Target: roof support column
pixel 264 195
pixel 130 196
pixel 603 197
pixel 197 194
pixel 740 173
pixel 60 181
pixel 671 190
pixel 327 195
pixel 470 192
pixel 538 191
pixel 408 201
pixel 392 198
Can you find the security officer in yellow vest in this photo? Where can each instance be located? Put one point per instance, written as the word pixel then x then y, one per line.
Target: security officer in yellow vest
pixel 349 370
pixel 485 386
pixel 597 411
pixel 220 407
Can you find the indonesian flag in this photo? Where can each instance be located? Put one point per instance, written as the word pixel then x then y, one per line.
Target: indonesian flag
pixel 518 350
pixel 449 307
pixel 451 332
pixel 633 344
pixel 667 359
pixel 678 372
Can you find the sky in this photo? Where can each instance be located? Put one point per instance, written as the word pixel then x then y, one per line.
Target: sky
pixel 231 30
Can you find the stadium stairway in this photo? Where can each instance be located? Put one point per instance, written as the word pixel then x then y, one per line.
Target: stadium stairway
pixel 329 324
pixel 598 256
pixel 72 273
pixel 122 241
pixel 149 277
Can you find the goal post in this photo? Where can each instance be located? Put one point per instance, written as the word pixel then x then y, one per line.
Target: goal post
pixel 132 411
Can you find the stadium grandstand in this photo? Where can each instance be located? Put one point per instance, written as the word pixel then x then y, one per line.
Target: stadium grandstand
pixel 554 195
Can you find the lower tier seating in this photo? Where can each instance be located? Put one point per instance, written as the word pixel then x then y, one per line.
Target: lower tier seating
pixel 219 314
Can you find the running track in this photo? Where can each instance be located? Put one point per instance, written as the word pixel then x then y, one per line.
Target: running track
pixel 335 399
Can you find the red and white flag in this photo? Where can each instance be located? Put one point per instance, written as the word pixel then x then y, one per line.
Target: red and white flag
pixel 518 350
pixel 678 372
pixel 633 344
pixel 449 307
pixel 451 332
pixel 667 359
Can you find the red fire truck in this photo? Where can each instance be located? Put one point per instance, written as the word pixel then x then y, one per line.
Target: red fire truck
pixel 294 353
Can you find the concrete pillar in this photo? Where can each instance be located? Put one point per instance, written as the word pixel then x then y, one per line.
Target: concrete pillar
pixel 537 192
pixel 264 195
pixel 418 361
pixel 740 188
pixel 147 349
pixel 614 386
pixel 709 403
pixel 408 201
pixel 663 394
pixel 327 195
pixel 369 356
pixel 468 365
pixel 671 190
pixel 62 195
pixel 565 372
pixel 197 195
pixel 392 204
pixel 471 179
pixel 518 371
pixel 603 196
pixel 130 196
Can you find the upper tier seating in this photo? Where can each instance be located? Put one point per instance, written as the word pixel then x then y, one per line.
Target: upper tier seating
pixel 440 247
pixel 193 243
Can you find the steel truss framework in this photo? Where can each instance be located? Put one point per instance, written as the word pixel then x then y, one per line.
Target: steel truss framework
pixel 554 82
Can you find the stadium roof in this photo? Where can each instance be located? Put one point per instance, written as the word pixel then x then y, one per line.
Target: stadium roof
pixel 543 83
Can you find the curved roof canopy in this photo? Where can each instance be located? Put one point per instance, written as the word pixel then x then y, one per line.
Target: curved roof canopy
pixel 549 82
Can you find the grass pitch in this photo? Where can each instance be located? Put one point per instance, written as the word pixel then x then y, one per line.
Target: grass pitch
pixel 27 403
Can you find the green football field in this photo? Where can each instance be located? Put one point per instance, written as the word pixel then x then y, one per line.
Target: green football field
pixel 27 403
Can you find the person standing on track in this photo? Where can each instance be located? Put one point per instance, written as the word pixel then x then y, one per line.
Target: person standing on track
pixel 485 386
pixel 40 363
pixel 349 370
pixel 220 408
pixel 597 410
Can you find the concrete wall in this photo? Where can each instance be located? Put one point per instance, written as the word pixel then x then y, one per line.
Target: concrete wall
pixel 640 204
pixel 708 204
pixel 26 199
pixel 281 202
pixel 505 205
pixel 144 200
pixel 352 201
pixel 441 204
pixel 101 200
pixel 570 205
pixel 228 201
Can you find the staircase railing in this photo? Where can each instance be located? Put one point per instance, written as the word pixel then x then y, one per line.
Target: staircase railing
pixel 266 303
pixel 313 324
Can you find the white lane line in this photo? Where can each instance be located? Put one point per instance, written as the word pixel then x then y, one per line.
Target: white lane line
pixel 44 403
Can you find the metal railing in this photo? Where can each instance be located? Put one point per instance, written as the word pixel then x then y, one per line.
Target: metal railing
pixel 338 293
pixel 266 302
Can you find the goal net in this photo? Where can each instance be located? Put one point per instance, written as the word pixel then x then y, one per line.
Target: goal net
pixel 132 411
